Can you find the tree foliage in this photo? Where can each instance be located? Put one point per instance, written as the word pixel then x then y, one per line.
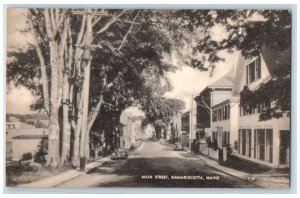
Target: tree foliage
pixel 160 111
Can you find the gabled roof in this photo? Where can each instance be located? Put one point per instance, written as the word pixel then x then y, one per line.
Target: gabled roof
pixel 275 59
pixel 225 81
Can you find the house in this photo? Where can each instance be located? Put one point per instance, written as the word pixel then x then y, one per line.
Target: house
pixel 22 138
pixel 173 129
pixel 225 123
pixel 8 144
pixel 265 142
pixel 25 140
pixel 28 143
pixel 212 95
pixel 131 130
pixel 185 128
pixel 13 123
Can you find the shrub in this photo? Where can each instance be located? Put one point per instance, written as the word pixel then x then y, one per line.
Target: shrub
pixel 26 156
pixel 39 156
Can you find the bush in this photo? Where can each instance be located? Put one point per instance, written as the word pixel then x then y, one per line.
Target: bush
pixel 39 156
pixel 26 156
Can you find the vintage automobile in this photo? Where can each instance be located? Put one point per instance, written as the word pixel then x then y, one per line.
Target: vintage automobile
pixel 178 147
pixel 122 155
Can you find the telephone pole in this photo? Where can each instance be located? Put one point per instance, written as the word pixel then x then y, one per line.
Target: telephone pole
pixel 191 123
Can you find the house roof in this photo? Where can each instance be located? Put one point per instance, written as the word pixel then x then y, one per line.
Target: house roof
pixel 30 137
pixel 11 134
pixel 223 82
pixel 228 101
pixel 275 59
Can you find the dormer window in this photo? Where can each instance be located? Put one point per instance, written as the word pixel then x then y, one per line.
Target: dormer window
pixel 253 70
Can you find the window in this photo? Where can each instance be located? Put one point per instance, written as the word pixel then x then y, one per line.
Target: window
pixel 269 145
pixel 225 138
pixel 214 117
pixel 243 111
pixel 214 137
pixel 244 140
pixel 263 144
pixel 253 71
pixel 222 113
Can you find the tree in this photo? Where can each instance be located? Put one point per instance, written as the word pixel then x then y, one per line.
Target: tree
pixel 159 112
pixel 57 60
pixel 57 69
pixel 135 73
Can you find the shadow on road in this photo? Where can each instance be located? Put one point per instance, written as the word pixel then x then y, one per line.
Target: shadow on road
pixel 149 168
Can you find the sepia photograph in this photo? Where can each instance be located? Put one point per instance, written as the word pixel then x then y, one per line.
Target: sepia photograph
pixel 148 98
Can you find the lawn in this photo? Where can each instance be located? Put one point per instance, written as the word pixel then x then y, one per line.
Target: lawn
pixel 17 174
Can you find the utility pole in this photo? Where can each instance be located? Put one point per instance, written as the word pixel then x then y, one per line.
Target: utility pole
pixel 191 123
pixel 87 57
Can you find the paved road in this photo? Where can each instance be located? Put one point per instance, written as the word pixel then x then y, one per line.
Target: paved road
pixel 156 165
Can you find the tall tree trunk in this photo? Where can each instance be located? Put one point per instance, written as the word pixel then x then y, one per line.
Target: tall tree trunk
pixel 54 129
pixel 53 145
pixel 84 134
pixel 76 149
pixel 84 151
pixel 66 136
pixel 77 65
pixel 65 156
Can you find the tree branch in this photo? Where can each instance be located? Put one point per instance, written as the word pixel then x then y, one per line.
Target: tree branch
pixel 43 65
pixel 94 113
pixel 52 19
pixel 113 19
pixel 61 21
pixel 125 37
pixel 48 24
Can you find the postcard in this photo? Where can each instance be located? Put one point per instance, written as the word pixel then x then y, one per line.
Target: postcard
pixel 176 98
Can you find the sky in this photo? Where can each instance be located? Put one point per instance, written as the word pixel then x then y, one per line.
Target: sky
pixel 187 82
pixel 18 99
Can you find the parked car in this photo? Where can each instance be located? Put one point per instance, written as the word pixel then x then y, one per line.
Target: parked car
pixel 132 147
pixel 178 147
pixel 122 155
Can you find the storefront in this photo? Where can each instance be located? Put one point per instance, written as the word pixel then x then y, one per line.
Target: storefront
pixel 265 145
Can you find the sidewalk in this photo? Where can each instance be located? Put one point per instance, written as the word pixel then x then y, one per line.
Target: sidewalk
pixel 64 177
pixel 261 180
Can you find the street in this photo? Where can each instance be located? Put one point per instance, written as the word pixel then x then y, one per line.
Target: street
pixel 157 165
